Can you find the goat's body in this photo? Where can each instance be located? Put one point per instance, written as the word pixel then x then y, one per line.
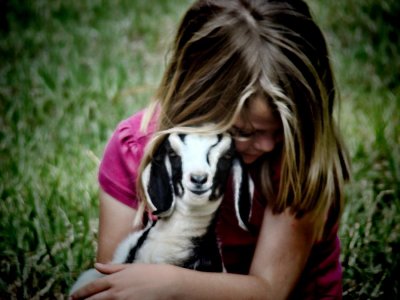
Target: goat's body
pixel 184 184
pixel 186 238
pixel 183 239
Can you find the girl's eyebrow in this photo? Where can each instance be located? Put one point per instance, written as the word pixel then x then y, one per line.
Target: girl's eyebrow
pixel 243 129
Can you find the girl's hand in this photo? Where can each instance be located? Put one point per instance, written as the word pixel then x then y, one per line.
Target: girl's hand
pixel 131 281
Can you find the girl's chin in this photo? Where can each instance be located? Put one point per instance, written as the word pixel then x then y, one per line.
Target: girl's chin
pixel 249 159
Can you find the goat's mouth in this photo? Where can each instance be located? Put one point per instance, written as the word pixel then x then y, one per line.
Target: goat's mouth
pixel 199 191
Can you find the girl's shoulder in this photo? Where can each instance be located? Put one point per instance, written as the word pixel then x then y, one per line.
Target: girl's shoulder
pixel 129 130
pixel 130 139
pixel 122 156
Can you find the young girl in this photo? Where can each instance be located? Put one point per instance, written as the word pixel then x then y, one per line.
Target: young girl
pixel 259 70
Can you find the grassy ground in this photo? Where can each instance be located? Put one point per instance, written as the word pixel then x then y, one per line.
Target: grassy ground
pixel 365 42
pixel 70 70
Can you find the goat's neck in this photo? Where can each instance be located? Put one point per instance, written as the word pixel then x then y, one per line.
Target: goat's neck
pixel 197 211
pixel 192 218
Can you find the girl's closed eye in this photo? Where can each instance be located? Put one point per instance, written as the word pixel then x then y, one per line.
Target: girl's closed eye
pixel 239 133
pixel 244 135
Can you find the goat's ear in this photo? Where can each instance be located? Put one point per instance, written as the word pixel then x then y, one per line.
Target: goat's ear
pixel 243 190
pixel 156 180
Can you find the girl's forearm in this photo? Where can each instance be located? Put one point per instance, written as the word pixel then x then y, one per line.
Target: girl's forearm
pixel 202 285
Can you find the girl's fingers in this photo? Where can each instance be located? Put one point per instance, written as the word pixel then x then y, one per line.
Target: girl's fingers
pixel 100 296
pixel 93 288
pixel 109 268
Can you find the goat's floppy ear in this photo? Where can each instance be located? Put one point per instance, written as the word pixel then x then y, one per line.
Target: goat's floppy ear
pixel 156 180
pixel 243 190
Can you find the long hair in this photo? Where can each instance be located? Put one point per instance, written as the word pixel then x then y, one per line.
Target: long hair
pixel 227 52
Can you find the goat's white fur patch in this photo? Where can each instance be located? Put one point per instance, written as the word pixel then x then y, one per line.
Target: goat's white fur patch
pixel 237 181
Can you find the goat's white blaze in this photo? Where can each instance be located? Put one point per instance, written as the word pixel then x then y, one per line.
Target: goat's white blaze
pixel 199 156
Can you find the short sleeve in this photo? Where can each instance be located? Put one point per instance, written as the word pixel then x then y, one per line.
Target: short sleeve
pixel 121 159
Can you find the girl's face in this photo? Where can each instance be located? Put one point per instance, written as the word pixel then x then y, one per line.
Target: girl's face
pixel 260 132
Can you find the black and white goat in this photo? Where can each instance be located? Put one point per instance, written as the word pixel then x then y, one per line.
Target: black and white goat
pixel 184 186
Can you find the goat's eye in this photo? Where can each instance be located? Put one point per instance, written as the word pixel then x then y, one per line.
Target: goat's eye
pixel 172 153
pixel 228 155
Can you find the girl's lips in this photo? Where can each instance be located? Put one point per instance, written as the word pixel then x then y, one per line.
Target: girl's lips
pixel 249 158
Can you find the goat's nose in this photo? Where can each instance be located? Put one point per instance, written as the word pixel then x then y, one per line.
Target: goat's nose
pixel 198 178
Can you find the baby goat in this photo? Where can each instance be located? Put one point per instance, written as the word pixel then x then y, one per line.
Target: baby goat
pixel 184 186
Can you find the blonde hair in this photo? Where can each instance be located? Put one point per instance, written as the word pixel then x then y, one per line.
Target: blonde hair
pixel 227 52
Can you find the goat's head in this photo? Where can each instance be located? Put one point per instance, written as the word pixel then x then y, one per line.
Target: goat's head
pixel 194 169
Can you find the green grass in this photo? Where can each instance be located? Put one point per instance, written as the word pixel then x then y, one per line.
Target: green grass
pixel 365 45
pixel 70 70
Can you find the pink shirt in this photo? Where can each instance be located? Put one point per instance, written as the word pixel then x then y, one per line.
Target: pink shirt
pixel 321 278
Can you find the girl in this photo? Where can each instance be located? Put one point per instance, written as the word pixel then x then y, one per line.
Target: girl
pixel 258 69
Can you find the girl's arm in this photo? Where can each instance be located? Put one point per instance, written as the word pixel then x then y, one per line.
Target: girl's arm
pixel 281 254
pixel 115 223
pixel 282 251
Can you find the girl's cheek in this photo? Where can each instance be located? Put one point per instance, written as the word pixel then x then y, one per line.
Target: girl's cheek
pixel 241 147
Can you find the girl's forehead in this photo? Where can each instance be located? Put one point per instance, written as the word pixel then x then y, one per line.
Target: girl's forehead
pixel 258 115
